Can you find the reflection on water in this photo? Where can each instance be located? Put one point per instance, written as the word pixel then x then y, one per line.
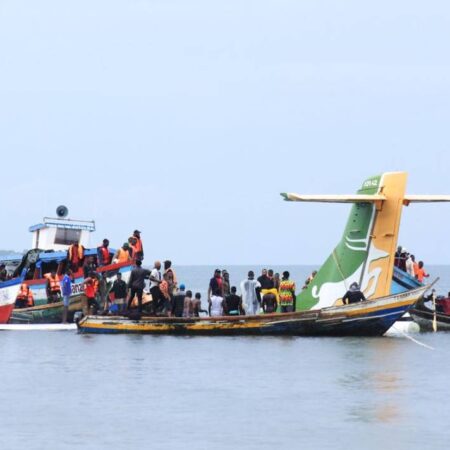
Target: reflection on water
pixel 373 376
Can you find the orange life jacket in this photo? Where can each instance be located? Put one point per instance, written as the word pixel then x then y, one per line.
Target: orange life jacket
pixel 138 245
pixel 23 292
pixel 106 257
pixel 30 299
pixel 80 253
pixel 123 255
pixel 54 283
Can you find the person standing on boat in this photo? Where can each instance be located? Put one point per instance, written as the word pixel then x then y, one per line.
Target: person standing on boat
pixel 421 274
pixel 215 308
pixel 103 255
pixel 353 295
pixel 75 256
pixel 232 304
pixel 226 283
pixel 155 281
pixel 249 294
pixel 171 277
pixel 287 294
pixel 178 301
pixel 90 291
pixel 409 264
pixel 89 266
pixel 66 288
pixel 139 248
pixel 136 284
pixel 269 303
pixel 122 254
pixel 53 287
pixel 119 289
pixel 22 296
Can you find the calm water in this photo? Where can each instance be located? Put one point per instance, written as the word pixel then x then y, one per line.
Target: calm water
pixel 61 390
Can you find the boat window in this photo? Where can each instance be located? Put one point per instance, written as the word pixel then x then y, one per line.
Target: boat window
pixel 67 237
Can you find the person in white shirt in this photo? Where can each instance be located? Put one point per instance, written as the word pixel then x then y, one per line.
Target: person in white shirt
pixel 409 264
pixel 155 281
pixel 249 294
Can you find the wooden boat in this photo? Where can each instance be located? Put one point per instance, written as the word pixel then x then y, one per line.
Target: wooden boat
pixel 425 317
pixel 44 312
pixel 369 318
pixel 365 255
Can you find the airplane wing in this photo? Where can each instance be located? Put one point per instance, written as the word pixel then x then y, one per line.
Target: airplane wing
pixel 425 199
pixel 353 198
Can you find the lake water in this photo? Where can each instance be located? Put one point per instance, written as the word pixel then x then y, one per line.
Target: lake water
pixel 61 390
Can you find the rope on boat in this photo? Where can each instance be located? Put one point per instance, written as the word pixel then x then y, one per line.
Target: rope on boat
pixel 412 339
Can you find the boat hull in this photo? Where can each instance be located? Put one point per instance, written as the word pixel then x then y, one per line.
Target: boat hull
pixel 424 317
pixel 8 293
pixel 369 318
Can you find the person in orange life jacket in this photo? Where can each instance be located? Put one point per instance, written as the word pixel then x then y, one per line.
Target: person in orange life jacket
pixel 66 287
pixel 139 246
pixel 22 296
pixel 122 254
pixel 53 287
pixel 103 255
pixel 171 277
pixel 75 256
pixel 90 291
pixel 132 243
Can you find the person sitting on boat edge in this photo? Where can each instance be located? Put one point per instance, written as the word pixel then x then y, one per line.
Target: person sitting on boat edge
pixel 287 294
pixel 66 288
pixel 232 305
pixel 353 295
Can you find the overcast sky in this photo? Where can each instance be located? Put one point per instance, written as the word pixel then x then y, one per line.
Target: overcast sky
pixel 186 119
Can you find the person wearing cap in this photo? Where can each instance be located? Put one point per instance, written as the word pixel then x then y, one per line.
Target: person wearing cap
pixel 249 294
pixel 178 301
pixel 353 295
pixel 139 248
pixel 123 254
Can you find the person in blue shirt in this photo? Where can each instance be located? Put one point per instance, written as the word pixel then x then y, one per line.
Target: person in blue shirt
pixel 66 288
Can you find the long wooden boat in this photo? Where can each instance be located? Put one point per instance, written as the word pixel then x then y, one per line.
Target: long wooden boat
pixel 368 318
pixel 425 317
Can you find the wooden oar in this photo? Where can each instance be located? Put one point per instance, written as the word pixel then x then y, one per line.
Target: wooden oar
pixel 434 315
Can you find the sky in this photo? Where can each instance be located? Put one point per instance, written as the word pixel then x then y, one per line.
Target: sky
pixel 186 119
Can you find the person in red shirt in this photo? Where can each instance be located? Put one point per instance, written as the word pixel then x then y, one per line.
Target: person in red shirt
pixel 90 291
